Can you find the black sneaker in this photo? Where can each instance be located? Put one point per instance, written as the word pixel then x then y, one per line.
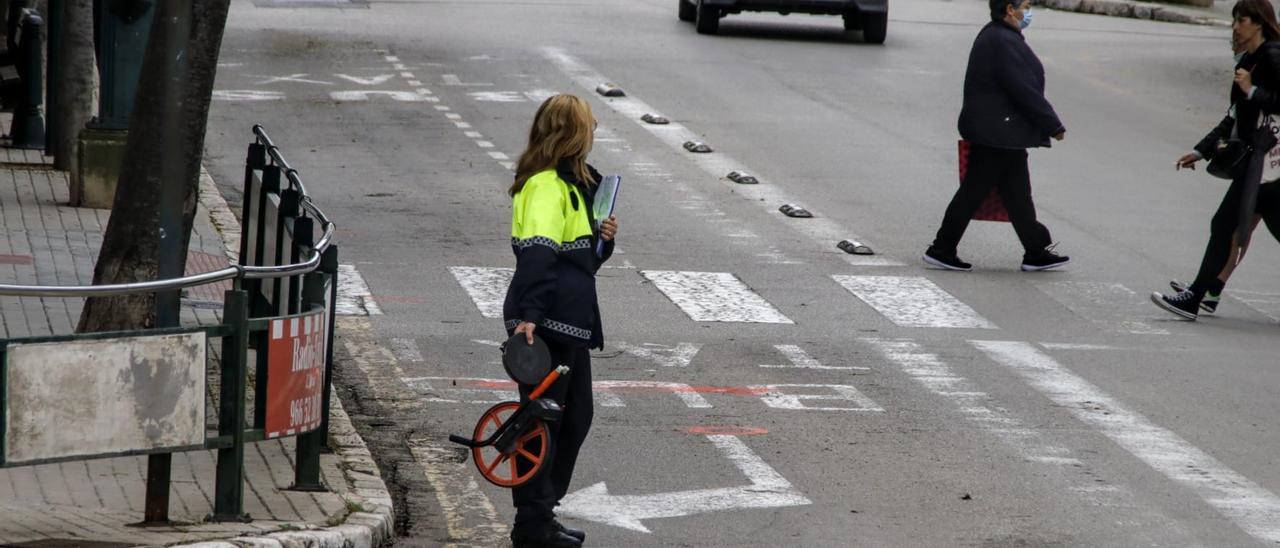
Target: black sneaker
pixel 947 261
pixel 1045 260
pixel 1185 304
pixel 1208 304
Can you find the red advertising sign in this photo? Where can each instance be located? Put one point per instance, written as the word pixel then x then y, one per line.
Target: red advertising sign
pixel 295 374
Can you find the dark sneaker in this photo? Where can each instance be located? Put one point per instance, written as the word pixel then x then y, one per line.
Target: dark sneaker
pixel 948 261
pixel 1046 260
pixel 1185 303
pixel 1208 304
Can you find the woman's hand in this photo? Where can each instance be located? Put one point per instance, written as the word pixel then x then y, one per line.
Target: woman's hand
pixel 1188 161
pixel 527 329
pixel 1244 79
pixel 609 228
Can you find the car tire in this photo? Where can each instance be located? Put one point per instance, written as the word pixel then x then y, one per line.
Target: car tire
pixel 688 12
pixel 875 26
pixel 707 19
pixel 852 21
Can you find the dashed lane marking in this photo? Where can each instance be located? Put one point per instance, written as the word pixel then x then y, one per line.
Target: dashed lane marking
pixel 1252 507
pixel 822 230
pixel 714 297
pixel 913 301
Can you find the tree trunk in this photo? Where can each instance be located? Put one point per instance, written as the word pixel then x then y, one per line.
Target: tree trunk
pixel 77 91
pixel 166 140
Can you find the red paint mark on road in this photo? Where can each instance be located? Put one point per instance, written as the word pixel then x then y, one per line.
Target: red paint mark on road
pixel 17 259
pixel 725 430
pixel 640 387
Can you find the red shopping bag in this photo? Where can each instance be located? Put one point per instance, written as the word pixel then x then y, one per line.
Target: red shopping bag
pixel 992 208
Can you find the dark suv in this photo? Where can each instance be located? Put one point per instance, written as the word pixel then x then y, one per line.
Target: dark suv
pixel 871 16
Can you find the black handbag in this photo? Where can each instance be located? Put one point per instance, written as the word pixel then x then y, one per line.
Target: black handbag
pixel 1230 160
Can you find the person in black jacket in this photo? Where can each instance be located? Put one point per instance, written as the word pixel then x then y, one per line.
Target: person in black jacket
pixel 554 236
pixel 1004 113
pixel 1255 94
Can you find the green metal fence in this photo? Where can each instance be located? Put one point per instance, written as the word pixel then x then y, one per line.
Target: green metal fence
pixel 99 395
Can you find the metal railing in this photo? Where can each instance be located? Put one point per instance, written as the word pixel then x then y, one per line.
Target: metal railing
pixel 279 244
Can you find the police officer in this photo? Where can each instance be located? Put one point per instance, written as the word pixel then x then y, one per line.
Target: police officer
pixel 1004 113
pixel 553 293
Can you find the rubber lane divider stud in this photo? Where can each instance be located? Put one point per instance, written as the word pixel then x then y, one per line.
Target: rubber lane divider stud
pixel 854 247
pixel 697 146
pixel 792 210
pixel 609 89
pixel 742 178
pixel 655 119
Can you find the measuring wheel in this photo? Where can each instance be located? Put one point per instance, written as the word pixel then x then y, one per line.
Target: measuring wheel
pixel 527 453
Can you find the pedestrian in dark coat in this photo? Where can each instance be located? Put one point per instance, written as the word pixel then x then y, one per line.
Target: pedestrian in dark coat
pixel 1255 94
pixel 1004 113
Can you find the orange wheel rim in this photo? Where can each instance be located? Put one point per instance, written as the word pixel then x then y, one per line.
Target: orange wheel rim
pixel 530 452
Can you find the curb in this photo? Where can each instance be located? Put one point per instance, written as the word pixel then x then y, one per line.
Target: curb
pixel 1132 10
pixel 373 524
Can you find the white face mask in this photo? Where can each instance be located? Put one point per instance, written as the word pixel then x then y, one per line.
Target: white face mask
pixel 1026 18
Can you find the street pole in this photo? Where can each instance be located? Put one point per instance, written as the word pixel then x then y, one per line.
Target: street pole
pixel 171 255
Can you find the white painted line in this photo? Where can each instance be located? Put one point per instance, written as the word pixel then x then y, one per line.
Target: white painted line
pixel 714 297
pixel 365 95
pixel 691 398
pixel 1078 346
pixel 442 108
pixel 1251 506
pixel 767 489
pixel 474 134
pixel 487 342
pixel 1111 306
pixel 498 96
pixel 354 297
pixel 393 59
pixel 453 116
pixel 423 91
pixel 913 301
pixel 766 195
pixel 415 83
pixel 462 125
pixel 680 355
pixel 407 75
pixel 801 360
pixel 508 165
pixel 498 156
pixel 400 66
pixel 484 144
pixel 469 516
pixel 246 95
pixel 406 350
pixel 486 286
pixel 371 81
pixel 842 397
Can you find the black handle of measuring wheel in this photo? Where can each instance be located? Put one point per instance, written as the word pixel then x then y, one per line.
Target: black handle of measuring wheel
pixel 462 441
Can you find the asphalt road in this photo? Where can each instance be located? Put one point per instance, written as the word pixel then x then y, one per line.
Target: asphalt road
pixel 759 387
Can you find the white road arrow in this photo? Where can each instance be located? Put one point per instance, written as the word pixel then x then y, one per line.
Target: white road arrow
pixel 372 81
pixel 768 489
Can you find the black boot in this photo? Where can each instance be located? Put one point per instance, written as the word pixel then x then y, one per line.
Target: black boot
pixel 575 533
pixel 544 535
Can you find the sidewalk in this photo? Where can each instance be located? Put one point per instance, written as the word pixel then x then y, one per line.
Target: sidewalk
pixel 1219 14
pixel 95 503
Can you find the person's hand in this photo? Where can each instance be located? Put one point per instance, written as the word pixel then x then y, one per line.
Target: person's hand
pixel 609 228
pixel 1244 79
pixel 1188 161
pixel 1061 135
pixel 527 329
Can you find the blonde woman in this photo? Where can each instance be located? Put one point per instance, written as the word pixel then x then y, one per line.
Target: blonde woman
pixel 553 294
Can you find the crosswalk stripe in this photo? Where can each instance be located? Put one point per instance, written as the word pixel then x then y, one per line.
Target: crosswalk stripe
pixel 1249 505
pixel 913 301
pixel 714 297
pixel 354 297
pixel 1109 305
pixel 486 286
